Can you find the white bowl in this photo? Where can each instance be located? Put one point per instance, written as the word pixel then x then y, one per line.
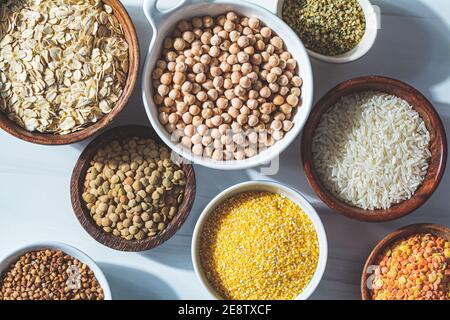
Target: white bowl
pixel 366 43
pixel 273 187
pixel 77 254
pixel 163 23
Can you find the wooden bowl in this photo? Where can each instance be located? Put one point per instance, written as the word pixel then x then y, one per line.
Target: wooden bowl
pixel 54 139
pixel 83 213
pixel 438 147
pixel 390 239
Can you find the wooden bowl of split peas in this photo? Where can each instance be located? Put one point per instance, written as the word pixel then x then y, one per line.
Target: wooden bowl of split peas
pixel 410 263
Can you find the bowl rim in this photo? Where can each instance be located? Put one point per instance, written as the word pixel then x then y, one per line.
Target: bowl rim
pixel 74 252
pixel 82 212
pixel 391 238
pixel 276 23
pixel 262 185
pixel 36 137
pixel 438 160
pixel 362 48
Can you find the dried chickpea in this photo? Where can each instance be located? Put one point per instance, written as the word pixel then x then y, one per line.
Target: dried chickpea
pixel 243 41
pixel 197 149
pixel 277 42
pixel 225 71
pixel 254 23
pixel 243 57
pixel 265 92
pixel 292 100
pixel 179 44
pixel 297 81
pixel 287 125
pixel 271 77
pixel 229 25
pixel 207 22
pixel 274 61
pixel 266 32
pixel 284 91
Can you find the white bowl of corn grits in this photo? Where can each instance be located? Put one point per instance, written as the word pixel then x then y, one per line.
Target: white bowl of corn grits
pixel 84 270
pixel 371 19
pixel 259 240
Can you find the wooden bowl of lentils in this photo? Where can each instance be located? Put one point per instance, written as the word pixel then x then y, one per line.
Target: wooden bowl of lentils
pixel 63 86
pixel 411 263
pixel 374 149
pixel 128 192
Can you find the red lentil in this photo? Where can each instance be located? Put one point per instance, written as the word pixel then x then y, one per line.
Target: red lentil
pixel 415 268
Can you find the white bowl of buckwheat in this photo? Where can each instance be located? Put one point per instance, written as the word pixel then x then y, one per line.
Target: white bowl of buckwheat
pixel 24 274
pixel 226 84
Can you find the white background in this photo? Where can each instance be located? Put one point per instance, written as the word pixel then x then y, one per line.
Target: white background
pixel 413 45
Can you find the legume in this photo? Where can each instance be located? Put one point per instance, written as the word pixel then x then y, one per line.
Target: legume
pixel 229 73
pixel 259 245
pixel 329 27
pixel 49 275
pixel 133 189
pixel 415 268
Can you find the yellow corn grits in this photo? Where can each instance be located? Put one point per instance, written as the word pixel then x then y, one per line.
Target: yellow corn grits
pixel 259 245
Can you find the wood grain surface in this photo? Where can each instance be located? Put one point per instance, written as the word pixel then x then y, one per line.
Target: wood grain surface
pixel 389 240
pixel 83 213
pixel 55 139
pixel 438 147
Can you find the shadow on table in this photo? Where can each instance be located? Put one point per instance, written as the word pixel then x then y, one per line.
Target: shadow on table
pixel 290 171
pixel 408 47
pixel 437 205
pixel 175 252
pixel 134 284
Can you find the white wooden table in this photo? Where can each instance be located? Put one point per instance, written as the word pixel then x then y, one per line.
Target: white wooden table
pixel 413 45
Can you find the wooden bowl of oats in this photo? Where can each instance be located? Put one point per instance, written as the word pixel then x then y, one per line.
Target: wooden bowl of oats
pixel 63 84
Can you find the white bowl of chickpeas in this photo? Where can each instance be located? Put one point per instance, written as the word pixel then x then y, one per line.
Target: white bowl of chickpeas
pixel 226 84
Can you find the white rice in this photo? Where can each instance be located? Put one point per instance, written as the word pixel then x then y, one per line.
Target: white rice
pixel 371 150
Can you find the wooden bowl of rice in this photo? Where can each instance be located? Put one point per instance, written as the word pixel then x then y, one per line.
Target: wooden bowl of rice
pixel 353 171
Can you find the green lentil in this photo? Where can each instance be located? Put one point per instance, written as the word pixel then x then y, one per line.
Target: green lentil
pixel 130 182
pixel 328 27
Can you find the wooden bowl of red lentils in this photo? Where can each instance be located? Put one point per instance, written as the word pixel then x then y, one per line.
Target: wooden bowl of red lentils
pixel 411 263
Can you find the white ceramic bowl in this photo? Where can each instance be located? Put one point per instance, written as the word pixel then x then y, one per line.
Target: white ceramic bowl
pixel 164 22
pixel 14 256
pixel 269 187
pixel 372 24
